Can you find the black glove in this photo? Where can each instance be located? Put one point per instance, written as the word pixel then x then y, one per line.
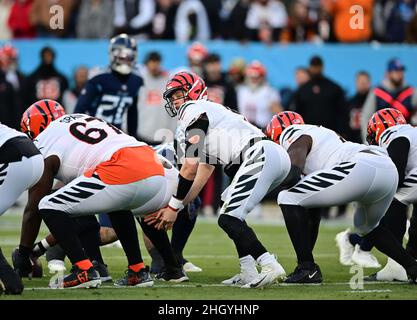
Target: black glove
pixel 21 261
pixel 10 281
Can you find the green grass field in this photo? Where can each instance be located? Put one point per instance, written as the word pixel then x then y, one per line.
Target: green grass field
pixel 210 249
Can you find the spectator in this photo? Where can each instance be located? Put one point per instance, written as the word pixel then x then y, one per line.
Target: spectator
pixel 411 32
pixel 163 22
pixel 344 31
pixel 219 89
pixel 393 92
pixel 256 99
pixel 191 22
pixel 397 19
pixel 212 8
pixel 93 19
pixel 300 27
pixel 237 72
pixel 155 126
pixel 40 16
pixel 265 20
pixel 301 76
pixel 7 103
pixel 71 95
pixel 46 82
pixel 355 105
pixel 9 65
pixel 134 17
pixel 196 54
pixel 321 101
pixel 233 15
pixel 5 7
pixel 19 20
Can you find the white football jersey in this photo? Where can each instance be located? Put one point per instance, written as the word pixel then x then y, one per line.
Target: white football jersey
pixel 228 132
pixel 327 149
pixel 407 131
pixel 7 133
pixel 81 142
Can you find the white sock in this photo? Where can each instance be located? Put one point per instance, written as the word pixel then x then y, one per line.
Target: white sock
pixel 247 263
pixel 266 258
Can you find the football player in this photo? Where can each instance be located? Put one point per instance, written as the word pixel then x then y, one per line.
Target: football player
pixel 104 170
pixel 336 172
pixel 112 93
pixel 388 128
pixel 21 167
pixel 211 134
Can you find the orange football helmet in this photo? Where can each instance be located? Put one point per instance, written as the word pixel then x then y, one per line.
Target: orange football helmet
pixel 39 115
pixel 281 121
pixel 381 120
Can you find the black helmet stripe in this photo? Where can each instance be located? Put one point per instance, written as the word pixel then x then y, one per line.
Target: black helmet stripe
pixel 382 121
pixel 49 109
pixel 390 113
pixel 45 117
pixel 281 122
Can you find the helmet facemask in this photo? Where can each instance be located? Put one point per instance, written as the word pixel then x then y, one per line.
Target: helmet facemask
pixel 170 99
pixel 123 60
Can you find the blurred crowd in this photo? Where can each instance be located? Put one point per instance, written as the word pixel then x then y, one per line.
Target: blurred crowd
pixel 268 21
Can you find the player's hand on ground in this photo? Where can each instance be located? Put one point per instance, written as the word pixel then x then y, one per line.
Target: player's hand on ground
pixel 22 264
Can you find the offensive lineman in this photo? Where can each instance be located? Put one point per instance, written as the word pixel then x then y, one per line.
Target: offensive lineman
pixel 336 172
pixel 105 171
pixel 210 134
pixel 21 167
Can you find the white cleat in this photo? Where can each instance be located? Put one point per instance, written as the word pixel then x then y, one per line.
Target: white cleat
pixel 270 274
pixel 346 249
pixel 55 266
pixel 242 278
pixel 190 267
pixel 365 259
pixel 392 271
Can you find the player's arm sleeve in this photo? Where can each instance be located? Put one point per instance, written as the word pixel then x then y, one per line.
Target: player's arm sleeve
pixel 87 97
pixel 398 151
pixel 195 136
pixel 132 118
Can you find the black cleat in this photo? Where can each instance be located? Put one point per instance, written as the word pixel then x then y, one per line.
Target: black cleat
pixel 10 282
pixel 412 274
pixel 135 279
pixel 82 278
pixel 305 274
pixel 173 275
pixel 371 278
pixel 102 271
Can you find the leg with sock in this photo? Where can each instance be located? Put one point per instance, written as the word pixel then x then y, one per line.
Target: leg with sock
pixel 90 237
pixel 181 231
pixel 385 242
pixel 314 225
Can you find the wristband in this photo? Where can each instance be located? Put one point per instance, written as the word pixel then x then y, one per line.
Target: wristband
pixel 175 204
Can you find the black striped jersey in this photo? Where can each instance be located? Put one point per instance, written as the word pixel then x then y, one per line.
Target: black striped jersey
pixel 328 148
pixel 227 135
pixel 403 130
pixel 7 133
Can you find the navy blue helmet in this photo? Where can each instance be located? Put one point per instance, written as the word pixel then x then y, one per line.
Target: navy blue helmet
pixel 123 53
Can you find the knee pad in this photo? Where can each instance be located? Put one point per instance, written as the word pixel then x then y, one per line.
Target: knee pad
pixel 234 227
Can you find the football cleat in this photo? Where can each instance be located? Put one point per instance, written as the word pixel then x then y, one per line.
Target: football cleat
pixel 173 275
pixel 10 282
pixel 305 275
pixel 365 259
pixel 270 273
pixel 392 271
pixel 135 279
pixel 190 267
pixel 102 271
pixel 82 278
pixel 346 249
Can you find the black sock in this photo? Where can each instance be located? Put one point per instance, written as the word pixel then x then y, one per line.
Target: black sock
pixel 64 229
pixel 297 222
pixel 125 227
pixel 181 231
pixel 90 237
pixel 412 234
pixel 395 219
pixel 55 253
pixel 355 239
pixel 242 235
pixel 385 242
pixel 314 225
pixel 160 240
